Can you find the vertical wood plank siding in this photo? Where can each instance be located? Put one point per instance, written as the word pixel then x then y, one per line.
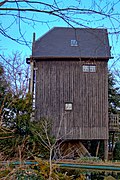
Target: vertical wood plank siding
pixel 58 82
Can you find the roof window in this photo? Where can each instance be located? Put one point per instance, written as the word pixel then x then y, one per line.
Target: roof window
pixel 74 42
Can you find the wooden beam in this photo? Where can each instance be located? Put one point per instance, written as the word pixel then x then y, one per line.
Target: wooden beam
pixel 105 149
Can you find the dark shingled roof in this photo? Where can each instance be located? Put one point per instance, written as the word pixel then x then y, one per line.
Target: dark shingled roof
pixel 91 43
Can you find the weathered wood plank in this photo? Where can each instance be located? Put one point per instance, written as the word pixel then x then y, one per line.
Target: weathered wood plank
pixel 63 81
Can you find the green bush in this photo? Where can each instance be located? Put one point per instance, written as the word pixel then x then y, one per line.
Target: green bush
pixel 116 152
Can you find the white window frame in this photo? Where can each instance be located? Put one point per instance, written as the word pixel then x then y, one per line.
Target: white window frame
pixel 68 106
pixel 89 68
pixel 74 42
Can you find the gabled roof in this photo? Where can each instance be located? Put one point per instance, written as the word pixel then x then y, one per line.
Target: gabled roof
pixel 86 43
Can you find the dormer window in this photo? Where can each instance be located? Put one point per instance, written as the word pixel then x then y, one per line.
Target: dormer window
pixel 74 42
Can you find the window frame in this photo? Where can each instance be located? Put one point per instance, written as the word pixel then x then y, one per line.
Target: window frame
pixel 68 103
pixel 74 43
pixel 88 67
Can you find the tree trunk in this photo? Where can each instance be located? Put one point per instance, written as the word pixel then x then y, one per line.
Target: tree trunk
pixel 50 162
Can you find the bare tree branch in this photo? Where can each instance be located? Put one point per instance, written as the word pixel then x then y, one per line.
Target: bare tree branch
pixel 3 2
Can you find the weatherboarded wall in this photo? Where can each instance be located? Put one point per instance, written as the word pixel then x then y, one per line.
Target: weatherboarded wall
pixel 58 82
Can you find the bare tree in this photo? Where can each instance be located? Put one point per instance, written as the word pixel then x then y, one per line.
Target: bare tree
pixel 49 142
pixel 17 73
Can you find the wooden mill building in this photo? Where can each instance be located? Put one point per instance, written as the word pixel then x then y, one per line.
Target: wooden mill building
pixel 69 67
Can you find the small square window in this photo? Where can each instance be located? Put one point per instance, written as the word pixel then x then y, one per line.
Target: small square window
pixel 85 68
pixel 92 68
pixel 74 42
pixel 68 106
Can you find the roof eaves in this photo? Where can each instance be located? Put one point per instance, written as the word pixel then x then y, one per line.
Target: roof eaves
pixel 70 57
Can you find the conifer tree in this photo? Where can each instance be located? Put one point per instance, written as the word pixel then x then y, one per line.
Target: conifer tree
pixel 113 95
pixel 3 85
